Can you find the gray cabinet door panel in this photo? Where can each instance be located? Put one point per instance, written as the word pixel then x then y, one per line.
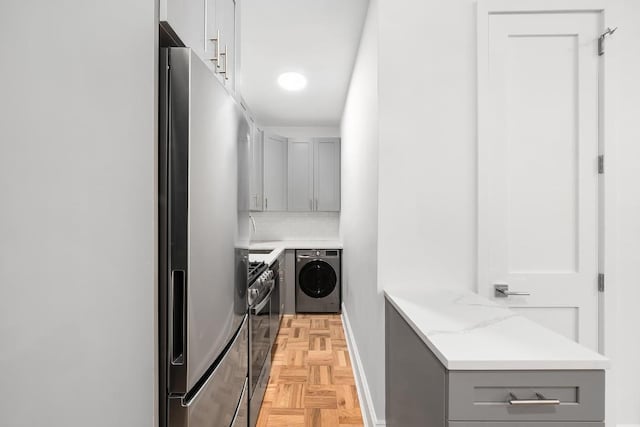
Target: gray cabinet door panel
pixel 326 166
pixel 415 379
pixel 484 395
pixel 300 183
pixel 522 424
pixel 274 151
pixel 290 282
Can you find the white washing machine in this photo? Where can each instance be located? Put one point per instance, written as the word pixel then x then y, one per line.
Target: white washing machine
pixel 318 281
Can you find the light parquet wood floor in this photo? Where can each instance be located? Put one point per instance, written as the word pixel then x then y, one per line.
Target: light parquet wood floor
pixel 312 382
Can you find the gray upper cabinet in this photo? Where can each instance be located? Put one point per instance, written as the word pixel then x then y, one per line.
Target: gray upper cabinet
pixel 275 172
pixel 314 175
pixel 301 196
pixel 256 159
pixel 326 167
pixel 295 175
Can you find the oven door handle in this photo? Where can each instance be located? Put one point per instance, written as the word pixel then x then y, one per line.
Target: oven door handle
pixel 264 301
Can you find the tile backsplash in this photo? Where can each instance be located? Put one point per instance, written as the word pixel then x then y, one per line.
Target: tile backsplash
pixel 295 226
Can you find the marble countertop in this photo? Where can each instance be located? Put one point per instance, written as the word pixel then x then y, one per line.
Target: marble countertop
pixel 278 246
pixel 469 332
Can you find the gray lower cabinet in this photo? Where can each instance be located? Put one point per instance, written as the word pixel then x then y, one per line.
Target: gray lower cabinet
pixel 421 392
pixel 290 280
pixel 522 424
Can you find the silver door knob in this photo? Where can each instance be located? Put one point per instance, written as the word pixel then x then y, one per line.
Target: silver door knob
pixel 502 291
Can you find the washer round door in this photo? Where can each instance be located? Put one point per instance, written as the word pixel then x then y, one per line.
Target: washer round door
pixel 317 279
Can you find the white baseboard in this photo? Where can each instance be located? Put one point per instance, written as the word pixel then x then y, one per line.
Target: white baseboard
pixel 364 395
pixel 628 425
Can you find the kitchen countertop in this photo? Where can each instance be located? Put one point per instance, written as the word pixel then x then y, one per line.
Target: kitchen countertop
pixel 277 246
pixel 469 332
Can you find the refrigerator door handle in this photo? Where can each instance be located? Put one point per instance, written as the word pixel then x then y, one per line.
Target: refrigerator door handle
pixel 177 313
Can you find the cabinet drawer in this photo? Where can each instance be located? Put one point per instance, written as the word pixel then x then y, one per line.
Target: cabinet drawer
pixel 522 424
pixel 485 395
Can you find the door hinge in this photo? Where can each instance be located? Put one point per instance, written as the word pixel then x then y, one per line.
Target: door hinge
pixel 600 282
pixel 608 32
pixel 601 164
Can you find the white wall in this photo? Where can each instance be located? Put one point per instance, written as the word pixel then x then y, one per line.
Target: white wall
pixel 78 216
pixel 427 143
pixel 295 226
pixel 359 217
pixel 427 169
pixel 623 68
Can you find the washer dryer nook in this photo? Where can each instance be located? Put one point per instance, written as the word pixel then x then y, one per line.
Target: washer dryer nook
pixel 318 281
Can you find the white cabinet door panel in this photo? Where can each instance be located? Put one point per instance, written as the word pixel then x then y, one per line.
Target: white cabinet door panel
pixel 538 177
pixel 220 39
pixel 226 23
pixel 187 19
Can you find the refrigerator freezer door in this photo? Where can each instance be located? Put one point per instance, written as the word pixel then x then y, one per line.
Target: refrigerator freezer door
pixel 242 413
pixel 206 131
pixel 218 401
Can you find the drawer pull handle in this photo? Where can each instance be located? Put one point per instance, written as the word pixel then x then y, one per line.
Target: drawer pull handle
pixel 541 400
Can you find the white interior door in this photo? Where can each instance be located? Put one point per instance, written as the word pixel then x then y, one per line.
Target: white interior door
pixel 538 157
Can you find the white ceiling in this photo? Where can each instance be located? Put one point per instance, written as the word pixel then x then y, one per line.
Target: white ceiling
pixel 318 38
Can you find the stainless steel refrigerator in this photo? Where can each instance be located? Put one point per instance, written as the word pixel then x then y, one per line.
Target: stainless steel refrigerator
pixel 204 238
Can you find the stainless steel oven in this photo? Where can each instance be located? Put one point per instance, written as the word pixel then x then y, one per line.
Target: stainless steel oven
pixel 276 299
pixel 260 339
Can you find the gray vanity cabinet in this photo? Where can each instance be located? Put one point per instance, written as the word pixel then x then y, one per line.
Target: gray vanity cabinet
pixel 522 424
pixel 420 391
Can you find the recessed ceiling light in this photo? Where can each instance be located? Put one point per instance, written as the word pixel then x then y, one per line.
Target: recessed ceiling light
pixel 292 81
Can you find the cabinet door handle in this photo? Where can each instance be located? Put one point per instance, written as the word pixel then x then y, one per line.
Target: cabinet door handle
pixel 266 203
pixel 225 59
pixel 216 41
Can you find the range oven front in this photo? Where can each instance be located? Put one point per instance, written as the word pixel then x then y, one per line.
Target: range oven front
pixel 261 339
pixel 260 319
